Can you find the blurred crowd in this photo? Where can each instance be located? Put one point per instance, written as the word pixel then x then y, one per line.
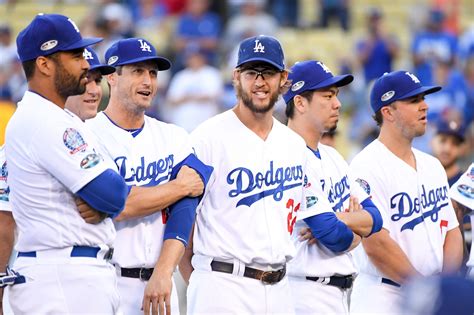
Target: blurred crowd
pixel 200 38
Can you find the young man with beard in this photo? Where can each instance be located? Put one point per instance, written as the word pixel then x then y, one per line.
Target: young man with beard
pixel 447 144
pixel 242 236
pixel 420 235
pixel 322 276
pixel 61 258
pixel 157 162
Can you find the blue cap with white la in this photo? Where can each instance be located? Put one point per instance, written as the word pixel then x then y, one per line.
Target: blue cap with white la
pixel 261 48
pixel 48 34
pixel 397 85
pixel 311 75
pixel 134 50
pixel 91 56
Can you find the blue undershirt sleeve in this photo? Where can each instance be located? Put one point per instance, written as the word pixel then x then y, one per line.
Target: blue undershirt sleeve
pixel 372 209
pixel 330 231
pixel 106 193
pixel 182 213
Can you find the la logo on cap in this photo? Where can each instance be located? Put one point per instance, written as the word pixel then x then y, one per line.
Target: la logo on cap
pixel 87 55
pixel 144 46
pixel 413 77
pixel 325 68
pixel 258 47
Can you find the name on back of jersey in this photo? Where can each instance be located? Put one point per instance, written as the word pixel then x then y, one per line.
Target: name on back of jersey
pixel 273 182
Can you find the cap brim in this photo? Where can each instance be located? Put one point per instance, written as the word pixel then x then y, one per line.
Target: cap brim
pixel 421 90
pixel 83 43
pixel 338 80
pixel 163 63
pixel 103 69
pixel 279 67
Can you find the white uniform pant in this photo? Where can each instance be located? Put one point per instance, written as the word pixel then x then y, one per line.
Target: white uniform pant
pixel 132 290
pixel 212 292
pixel 67 285
pixel 311 297
pixel 371 296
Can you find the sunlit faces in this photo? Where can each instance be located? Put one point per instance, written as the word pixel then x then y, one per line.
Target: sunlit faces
pixel 258 86
pixel 135 85
pixel 410 116
pixel 446 148
pixel 85 106
pixel 70 72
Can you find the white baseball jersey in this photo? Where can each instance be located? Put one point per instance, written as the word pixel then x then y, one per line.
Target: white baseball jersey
pixel 462 191
pixel 414 204
pixel 254 195
pixel 4 189
pixel 143 157
pixel 316 260
pixel 51 155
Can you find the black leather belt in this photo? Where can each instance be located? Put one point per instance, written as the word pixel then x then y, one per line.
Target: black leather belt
pixel 342 282
pixel 267 277
pixel 391 282
pixel 138 273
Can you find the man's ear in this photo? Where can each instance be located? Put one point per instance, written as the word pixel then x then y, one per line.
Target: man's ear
pixel 45 65
pixel 387 113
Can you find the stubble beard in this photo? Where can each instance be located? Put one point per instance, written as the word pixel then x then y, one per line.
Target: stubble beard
pixel 247 101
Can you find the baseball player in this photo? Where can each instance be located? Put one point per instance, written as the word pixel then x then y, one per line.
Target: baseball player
pixel 153 158
pixel 462 195
pixel 242 232
pixel 85 105
pixel 321 276
pixel 420 235
pixel 7 224
pixel 62 264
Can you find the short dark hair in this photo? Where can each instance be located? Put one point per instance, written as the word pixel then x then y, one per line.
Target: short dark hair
pixel 29 68
pixel 378 117
pixel 290 106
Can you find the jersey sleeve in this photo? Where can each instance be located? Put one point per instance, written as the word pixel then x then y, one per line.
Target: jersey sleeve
pixel 4 188
pixel 65 150
pixel 366 179
pixel 183 141
pixel 201 147
pixel 314 199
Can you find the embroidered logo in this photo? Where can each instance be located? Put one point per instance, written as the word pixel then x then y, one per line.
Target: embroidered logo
pixel 144 45
pixel 73 141
pixel 258 47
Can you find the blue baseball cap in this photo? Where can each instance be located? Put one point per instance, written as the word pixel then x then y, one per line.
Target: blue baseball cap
pixel 133 50
pixel 452 127
pixel 94 62
pixel 48 34
pixel 261 48
pixel 311 75
pixel 397 85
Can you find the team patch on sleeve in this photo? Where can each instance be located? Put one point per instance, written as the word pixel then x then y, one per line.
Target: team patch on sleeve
pixel 73 141
pixel 365 186
pixel 4 172
pixel 90 160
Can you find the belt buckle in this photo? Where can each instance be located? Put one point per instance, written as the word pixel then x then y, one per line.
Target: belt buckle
pixel 140 274
pixel 264 277
pixel 108 255
pixel 348 282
